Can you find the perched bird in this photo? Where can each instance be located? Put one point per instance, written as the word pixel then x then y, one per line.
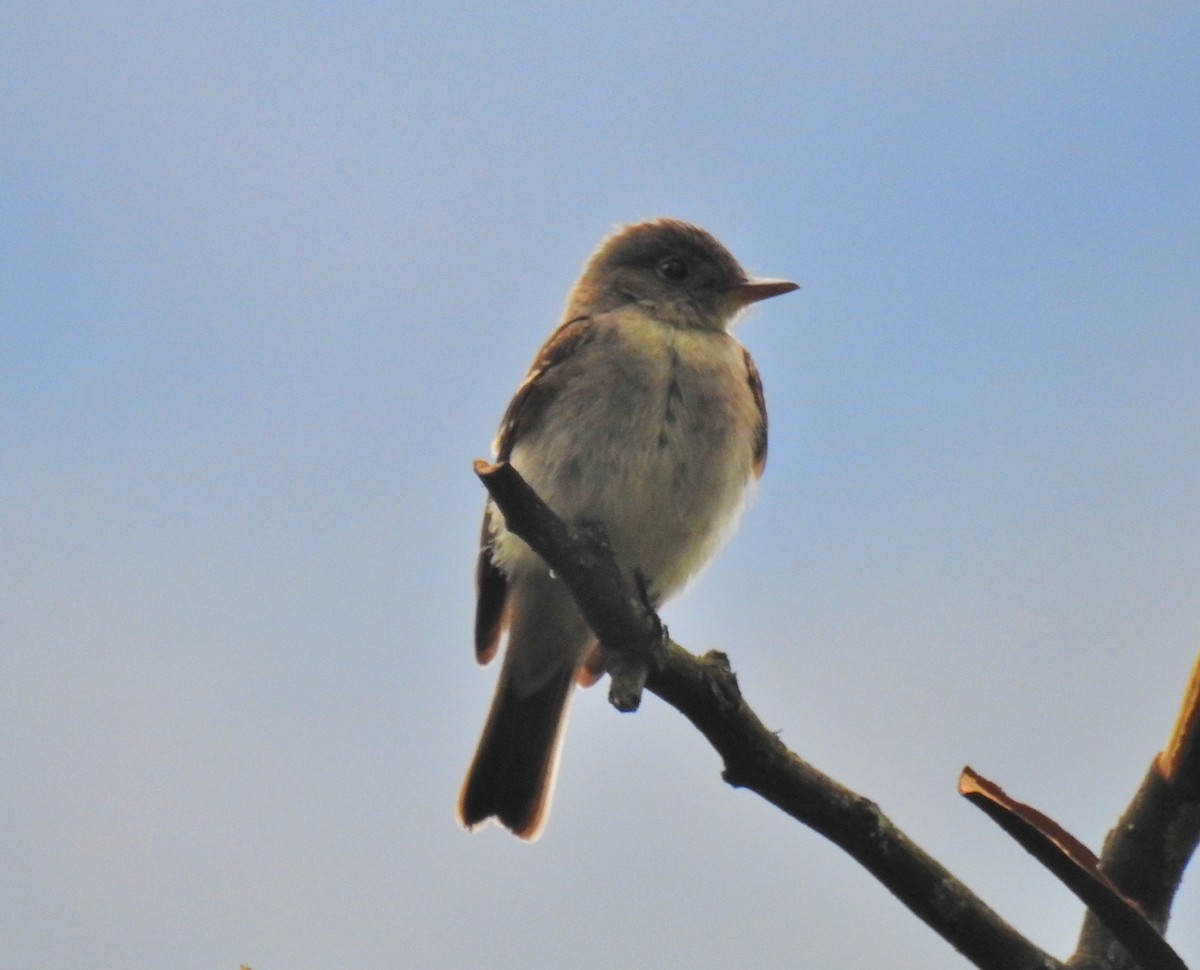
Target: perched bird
pixel 643 414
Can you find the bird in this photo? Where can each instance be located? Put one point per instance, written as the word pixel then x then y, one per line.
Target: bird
pixel 641 413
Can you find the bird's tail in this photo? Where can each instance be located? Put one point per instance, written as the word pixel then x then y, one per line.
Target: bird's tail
pixel 512 776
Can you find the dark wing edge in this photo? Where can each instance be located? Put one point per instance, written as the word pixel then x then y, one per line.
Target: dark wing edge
pixel 760 432
pixel 491 592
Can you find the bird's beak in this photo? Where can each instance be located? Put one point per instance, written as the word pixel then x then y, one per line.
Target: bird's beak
pixel 753 290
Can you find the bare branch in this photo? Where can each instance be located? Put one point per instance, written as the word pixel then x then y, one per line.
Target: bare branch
pixel 705 690
pixel 1147 851
pixel 1077 868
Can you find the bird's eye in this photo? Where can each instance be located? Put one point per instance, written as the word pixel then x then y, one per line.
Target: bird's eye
pixel 674 270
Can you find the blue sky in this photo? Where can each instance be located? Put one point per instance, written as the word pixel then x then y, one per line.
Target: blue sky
pixel 272 273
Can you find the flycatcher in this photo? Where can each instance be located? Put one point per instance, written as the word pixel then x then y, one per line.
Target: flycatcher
pixel 641 413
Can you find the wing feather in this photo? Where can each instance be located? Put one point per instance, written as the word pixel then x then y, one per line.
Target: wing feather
pixel 523 415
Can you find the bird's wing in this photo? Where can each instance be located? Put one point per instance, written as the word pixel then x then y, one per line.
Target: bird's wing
pixel 524 413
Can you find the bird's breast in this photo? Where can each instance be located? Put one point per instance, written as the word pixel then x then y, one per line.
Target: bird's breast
pixel 651 433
